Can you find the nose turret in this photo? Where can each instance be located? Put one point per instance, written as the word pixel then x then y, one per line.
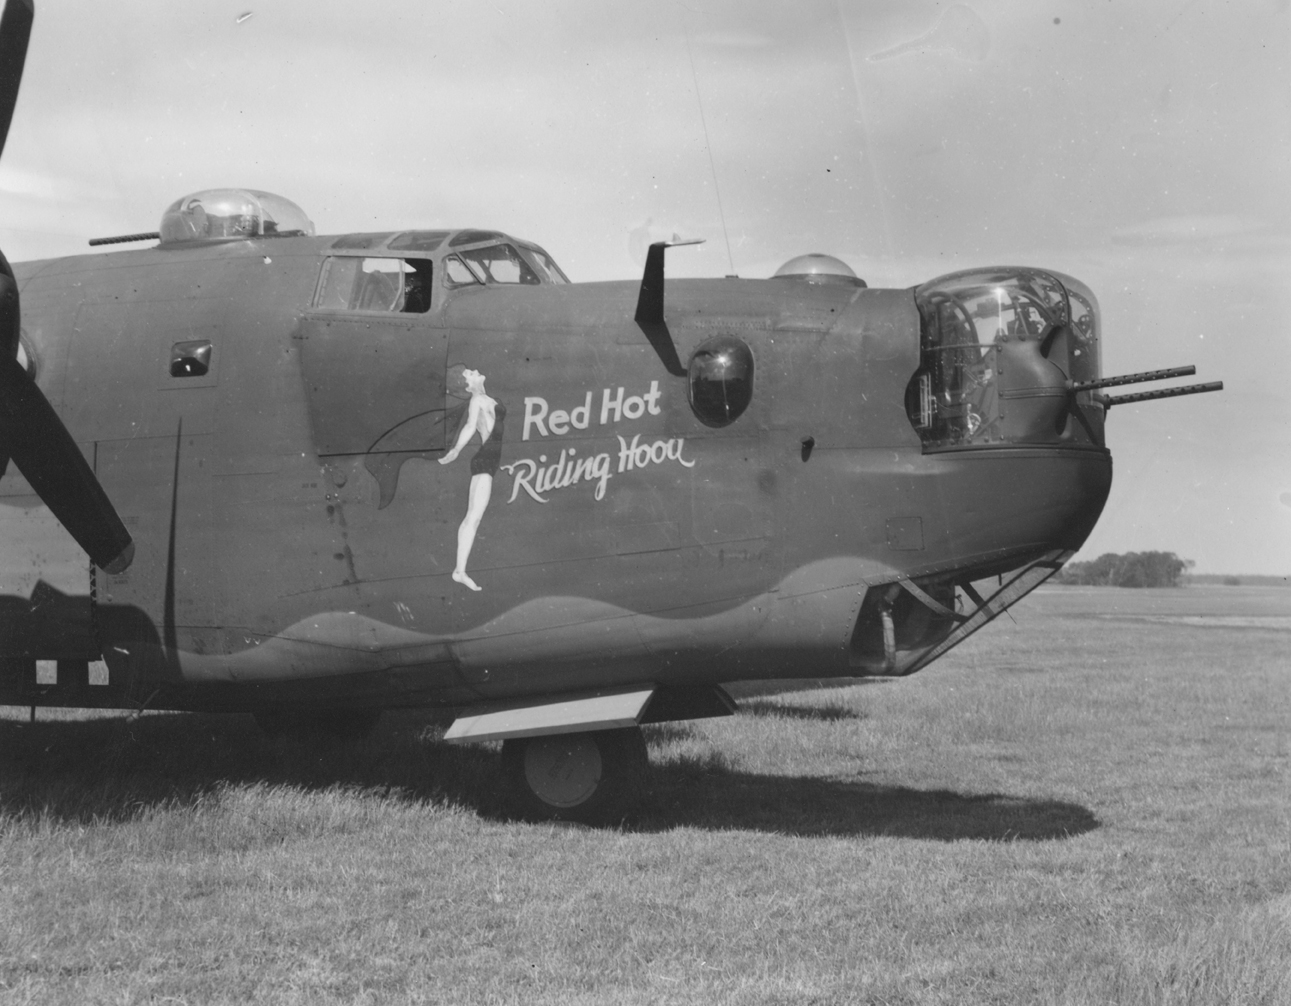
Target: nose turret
pixel 1011 432
pixel 1000 350
pixel 997 399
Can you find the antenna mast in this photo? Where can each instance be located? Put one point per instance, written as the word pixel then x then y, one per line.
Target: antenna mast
pixel 707 144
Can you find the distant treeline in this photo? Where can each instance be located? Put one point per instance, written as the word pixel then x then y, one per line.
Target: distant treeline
pixel 1133 569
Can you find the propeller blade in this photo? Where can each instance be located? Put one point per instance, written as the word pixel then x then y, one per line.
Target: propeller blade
pixel 15 30
pixel 33 436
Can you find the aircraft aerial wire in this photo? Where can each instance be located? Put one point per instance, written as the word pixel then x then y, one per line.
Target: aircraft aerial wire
pixel 708 146
pixel 868 155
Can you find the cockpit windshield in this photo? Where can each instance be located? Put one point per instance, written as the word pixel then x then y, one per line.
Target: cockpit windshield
pixel 545 264
pixel 501 263
pixel 493 264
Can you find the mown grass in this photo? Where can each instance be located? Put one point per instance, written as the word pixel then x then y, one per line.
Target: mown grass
pixel 1085 806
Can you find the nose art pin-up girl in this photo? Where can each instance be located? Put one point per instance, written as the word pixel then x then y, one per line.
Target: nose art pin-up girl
pixel 484 416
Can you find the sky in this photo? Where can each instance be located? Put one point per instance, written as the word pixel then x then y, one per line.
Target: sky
pixel 1144 148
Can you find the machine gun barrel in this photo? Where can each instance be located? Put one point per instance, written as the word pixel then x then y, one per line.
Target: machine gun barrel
pixel 123 238
pixel 1147 375
pixel 1146 396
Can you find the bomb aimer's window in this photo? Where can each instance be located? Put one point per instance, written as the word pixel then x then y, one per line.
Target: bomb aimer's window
pixel 375 284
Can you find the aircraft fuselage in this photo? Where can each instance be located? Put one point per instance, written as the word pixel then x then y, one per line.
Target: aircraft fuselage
pixel 297 534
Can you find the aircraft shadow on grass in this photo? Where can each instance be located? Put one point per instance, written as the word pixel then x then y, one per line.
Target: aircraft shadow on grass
pixel 701 795
pixel 114 769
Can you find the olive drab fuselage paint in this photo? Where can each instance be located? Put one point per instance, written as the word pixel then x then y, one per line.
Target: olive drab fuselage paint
pixel 274 448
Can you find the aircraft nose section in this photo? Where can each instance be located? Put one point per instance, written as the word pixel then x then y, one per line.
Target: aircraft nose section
pixel 1012 504
pixel 1074 494
pixel 1013 513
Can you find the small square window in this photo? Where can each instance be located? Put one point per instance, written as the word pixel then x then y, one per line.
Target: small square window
pixel 190 359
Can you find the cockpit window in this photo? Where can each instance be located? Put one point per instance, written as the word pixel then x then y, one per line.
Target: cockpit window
pixel 493 264
pixel 472 237
pixel 545 264
pixel 375 284
pixel 457 273
pixel 423 241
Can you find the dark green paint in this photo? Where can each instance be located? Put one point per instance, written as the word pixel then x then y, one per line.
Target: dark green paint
pixel 294 542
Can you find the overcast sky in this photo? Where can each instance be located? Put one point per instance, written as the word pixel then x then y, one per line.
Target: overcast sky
pixel 1143 148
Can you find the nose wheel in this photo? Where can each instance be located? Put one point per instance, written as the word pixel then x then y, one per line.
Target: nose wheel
pixel 593 778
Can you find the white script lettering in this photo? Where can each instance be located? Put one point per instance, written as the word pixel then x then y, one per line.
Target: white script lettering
pixel 534 411
pixel 638 455
pixel 616 405
pixel 536 479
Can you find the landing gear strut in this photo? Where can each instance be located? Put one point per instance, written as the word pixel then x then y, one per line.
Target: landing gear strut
pixel 593 778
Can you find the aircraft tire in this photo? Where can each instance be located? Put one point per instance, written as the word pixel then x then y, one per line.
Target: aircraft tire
pixel 334 724
pixel 592 778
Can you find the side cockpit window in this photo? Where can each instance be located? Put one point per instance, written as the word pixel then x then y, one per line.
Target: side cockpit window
pixel 388 285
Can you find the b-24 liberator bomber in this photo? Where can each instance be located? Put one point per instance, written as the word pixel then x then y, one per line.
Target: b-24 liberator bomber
pixel 321 476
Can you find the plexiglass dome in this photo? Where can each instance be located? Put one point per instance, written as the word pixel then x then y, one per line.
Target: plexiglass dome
pixel 818 268
pixel 232 215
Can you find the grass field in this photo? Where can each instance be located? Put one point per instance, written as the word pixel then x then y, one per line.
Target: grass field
pixel 1091 804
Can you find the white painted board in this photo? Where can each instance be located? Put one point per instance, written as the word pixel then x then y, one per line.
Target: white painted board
pixel 598 712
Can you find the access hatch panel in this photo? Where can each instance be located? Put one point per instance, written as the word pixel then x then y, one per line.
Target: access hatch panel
pixel 374 385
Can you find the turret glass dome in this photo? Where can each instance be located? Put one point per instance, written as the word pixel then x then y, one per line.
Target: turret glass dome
pixel 232 215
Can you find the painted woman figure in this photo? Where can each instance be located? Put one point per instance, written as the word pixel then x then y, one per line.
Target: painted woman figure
pixel 484 416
